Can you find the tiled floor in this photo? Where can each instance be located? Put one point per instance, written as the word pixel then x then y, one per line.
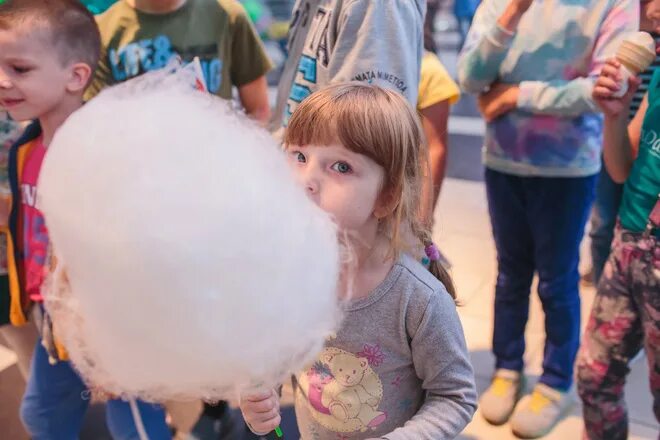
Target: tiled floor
pixel 463 233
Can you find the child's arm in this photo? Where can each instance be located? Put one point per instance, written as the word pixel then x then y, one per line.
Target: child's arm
pixel 635 126
pixel 566 98
pixel 620 139
pixel 437 92
pixel 621 143
pixel 249 65
pixel 488 43
pixel 434 122
pixel 441 361
pixel 254 97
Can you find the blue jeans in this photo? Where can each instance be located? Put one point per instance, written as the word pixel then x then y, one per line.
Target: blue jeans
pixel 603 221
pixel 56 401
pixel 538 223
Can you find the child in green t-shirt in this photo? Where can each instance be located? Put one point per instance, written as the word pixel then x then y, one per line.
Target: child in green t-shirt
pixel 626 312
pixel 138 36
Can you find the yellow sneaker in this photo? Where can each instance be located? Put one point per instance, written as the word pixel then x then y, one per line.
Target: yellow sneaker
pixel 538 413
pixel 499 400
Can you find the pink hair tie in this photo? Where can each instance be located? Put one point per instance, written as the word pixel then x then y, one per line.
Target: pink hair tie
pixel 432 252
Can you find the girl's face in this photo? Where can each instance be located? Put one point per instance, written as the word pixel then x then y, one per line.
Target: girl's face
pixel 345 184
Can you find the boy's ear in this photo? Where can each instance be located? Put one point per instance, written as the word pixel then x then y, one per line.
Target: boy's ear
pixel 386 203
pixel 80 75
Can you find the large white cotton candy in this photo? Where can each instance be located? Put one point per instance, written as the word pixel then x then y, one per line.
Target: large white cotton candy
pixel 196 266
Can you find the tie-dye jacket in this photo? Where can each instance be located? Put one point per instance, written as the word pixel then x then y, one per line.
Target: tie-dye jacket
pixel 555 57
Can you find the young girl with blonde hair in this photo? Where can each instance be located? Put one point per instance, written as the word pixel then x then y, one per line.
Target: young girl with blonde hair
pixel 398 367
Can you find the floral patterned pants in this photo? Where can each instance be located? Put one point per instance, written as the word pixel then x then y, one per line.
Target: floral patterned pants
pixel 625 317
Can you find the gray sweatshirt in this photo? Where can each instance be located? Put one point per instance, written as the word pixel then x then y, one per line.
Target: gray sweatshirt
pixel 397 369
pixel 375 41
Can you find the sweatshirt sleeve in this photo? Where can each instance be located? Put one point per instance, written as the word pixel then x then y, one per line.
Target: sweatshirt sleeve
pixel 379 41
pixel 573 97
pixel 441 361
pixel 486 46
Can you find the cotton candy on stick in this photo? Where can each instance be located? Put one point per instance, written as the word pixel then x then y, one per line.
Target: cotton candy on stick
pixel 196 266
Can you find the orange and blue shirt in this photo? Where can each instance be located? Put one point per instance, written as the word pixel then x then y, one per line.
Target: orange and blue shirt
pixel 15 300
pixel 35 235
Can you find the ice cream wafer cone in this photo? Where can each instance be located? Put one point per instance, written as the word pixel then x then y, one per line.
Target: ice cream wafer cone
pixel 635 54
pixel 636 58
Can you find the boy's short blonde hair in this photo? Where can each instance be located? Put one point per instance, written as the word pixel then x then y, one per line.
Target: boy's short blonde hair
pixel 73 30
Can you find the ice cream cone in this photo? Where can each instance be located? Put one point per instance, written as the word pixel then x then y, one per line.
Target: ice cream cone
pixel 636 58
pixel 635 54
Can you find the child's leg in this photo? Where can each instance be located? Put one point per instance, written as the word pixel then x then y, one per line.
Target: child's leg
pixel 515 260
pixel 603 220
pixel 652 345
pixel 613 336
pixel 55 401
pixel 558 212
pixel 122 425
pixel 646 291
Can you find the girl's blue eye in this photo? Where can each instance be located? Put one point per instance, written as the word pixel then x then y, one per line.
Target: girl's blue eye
pixel 300 157
pixel 342 167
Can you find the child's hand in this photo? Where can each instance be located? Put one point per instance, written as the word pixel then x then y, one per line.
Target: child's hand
pixel 500 99
pixel 262 412
pixel 608 84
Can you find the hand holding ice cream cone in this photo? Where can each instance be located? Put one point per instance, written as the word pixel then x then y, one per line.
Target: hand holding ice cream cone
pixel 607 86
